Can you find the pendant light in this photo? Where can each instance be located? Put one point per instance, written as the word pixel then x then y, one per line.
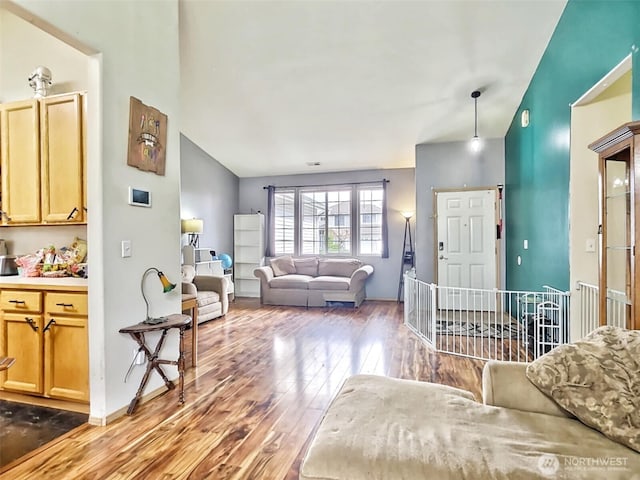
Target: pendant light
pixel 476 143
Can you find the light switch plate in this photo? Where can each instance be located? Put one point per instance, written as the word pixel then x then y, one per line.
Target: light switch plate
pixel 126 248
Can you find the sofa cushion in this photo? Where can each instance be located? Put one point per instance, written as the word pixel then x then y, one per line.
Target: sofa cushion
pixel 306 266
pixel 293 281
pixel 342 267
pixel 597 379
pixel 207 297
pixel 329 283
pixel 282 265
pixel 391 429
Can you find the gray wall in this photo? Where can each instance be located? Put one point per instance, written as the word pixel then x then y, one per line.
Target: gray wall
pixel 401 197
pixel 208 191
pixel 451 165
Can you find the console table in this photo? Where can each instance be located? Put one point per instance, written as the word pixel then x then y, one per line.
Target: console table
pixel 137 332
pixel 190 302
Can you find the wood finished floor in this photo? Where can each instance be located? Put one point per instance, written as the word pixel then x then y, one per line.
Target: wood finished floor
pixel 265 377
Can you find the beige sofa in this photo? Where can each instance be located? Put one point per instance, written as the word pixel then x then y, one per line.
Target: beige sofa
pixel 391 429
pixel 210 293
pixel 312 281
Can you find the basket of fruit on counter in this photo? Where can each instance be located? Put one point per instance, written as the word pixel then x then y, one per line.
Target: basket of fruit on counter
pixel 52 262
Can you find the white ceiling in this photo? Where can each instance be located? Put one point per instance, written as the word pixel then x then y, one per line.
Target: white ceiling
pixel 270 86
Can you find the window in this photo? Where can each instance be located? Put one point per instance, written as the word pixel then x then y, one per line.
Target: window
pixel 344 220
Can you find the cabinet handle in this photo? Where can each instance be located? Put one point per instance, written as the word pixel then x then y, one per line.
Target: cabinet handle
pixel 31 323
pixel 17 302
pixel 64 304
pixel 51 322
pixel 72 213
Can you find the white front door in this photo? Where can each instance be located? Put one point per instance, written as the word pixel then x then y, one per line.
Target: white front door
pixel 466 248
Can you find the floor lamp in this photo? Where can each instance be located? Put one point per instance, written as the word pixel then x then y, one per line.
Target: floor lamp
pixel 408 256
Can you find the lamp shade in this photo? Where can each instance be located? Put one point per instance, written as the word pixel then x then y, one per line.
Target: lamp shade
pixel 192 225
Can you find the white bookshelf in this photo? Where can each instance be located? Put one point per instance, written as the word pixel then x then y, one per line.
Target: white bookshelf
pixel 248 241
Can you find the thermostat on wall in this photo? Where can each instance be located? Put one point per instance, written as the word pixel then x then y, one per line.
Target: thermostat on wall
pixel 139 198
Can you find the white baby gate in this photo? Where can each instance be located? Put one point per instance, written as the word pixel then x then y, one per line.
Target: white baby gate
pixel 495 325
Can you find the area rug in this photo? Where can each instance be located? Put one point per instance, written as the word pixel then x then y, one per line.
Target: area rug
pixel 476 328
pixel 24 428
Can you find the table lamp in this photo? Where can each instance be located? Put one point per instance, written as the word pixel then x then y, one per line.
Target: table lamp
pixel 167 286
pixel 193 227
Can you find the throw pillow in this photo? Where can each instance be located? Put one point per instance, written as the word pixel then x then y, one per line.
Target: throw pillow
pixel 306 266
pixel 282 265
pixel 340 267
pixel 597 379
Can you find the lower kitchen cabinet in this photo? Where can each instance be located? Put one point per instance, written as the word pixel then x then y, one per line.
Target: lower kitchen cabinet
pixel 22 339
pixel 47 335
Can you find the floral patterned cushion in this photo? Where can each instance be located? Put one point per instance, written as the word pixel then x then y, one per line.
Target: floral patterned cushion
pixel 597 379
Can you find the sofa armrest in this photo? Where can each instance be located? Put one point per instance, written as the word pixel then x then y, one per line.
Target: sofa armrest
pixel 505 384
pixel 359 277
pixel 264 273
pixel 189 288
pixel 211 283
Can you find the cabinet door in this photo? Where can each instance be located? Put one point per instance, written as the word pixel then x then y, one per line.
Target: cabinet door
pixel 66 358
pixel 20 162
pixel 21 338
pixel 62 159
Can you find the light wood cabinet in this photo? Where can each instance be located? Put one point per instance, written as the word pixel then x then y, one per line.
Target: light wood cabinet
pixel 42 161
pixel 21 338
pixel 66 353
pixel 20 162
pixel 619 230
pixel 62 159
pixel 46 332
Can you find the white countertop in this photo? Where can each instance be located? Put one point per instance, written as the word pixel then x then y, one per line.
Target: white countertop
pixel 60 283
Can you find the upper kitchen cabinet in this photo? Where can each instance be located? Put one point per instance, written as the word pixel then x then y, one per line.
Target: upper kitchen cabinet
pixel 20 162
pixel 42 161
pixel 62 159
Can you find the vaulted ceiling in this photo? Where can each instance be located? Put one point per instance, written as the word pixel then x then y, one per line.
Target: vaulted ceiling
pixel 273 87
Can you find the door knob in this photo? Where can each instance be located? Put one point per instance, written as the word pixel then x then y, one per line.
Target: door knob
pixel 442 257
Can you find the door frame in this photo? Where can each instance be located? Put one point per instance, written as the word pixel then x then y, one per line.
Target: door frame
pixel 498 253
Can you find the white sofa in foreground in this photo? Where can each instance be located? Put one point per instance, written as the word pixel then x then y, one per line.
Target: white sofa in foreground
pixel 312 281
pixel 380 428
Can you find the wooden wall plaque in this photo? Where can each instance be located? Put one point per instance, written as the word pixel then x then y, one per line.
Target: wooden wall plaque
pixel 147 137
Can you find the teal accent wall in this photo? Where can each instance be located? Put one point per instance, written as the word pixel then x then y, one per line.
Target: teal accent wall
pixel 590 39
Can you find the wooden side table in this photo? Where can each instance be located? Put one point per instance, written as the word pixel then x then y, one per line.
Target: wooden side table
pixel 189 302
pixel 137 332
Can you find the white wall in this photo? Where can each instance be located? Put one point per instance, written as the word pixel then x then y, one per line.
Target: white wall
pixel 589 122
pixel 24 47
pixel 451 165
pixel 401 197
pixel 134 47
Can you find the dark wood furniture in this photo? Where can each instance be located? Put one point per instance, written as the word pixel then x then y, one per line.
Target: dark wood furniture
pixel 189 302
pixel 137 332
pixel 619 174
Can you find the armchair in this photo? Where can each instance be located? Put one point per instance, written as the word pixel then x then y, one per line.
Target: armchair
pixel 210 292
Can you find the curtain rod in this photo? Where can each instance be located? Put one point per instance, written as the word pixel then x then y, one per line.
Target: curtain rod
pixel 384 180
